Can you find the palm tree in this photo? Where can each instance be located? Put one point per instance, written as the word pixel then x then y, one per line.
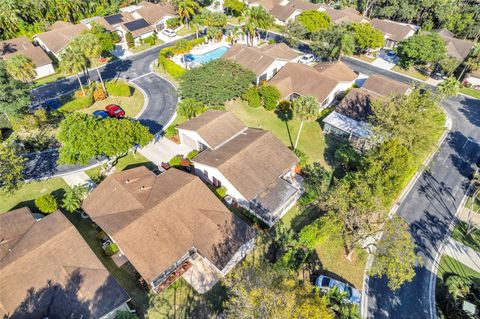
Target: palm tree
pixel 249 31
pixel 189 108
pixel 449 87
pixel 9 18
pixel 90 46
pixel 234 34
pixel 187 9
pixel 73 61
pixel 305 108
pixel 196 23
pixel 260 18
pixel 21 68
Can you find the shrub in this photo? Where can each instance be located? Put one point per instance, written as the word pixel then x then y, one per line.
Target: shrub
pixel 118 89
pixel 46 203
pixel 172 68
pixel 124 314
pixel 221 191
pixel 130 40
pixel 152 39
pixel 192 154
pixel 198 41
pixel 270 96
pixel 173 23
pixel 252 97
pixel 170 132
pixel 111 249
pixel 323 113
pixel 175 161
pixel 77 104
pixel 99 94
pixel 166 53
pixel 182 46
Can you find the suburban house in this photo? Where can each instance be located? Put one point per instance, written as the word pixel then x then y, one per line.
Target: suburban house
pixel 350 120
pixel 59 36
pixel 167 224
pixel 325 81
pixel 256 169
pixel 264 61
pixel 43 63
pixel 346 15
pixel 473 78
pixel 113 21
pixel 393 31
pixel 286 11
pixel 155 14
pixel 49 271
pixel 139 28
pixel 456 48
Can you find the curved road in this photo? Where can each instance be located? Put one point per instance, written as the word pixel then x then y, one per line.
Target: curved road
pixel 430 206
pixel 161 98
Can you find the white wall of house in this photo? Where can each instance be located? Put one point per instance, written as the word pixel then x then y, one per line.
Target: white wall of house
pixel 143 36
pixel 290 18
pixel 44 70
pixel 188 137
pixel 472 80
pixel 212 172
pixel 241 253
pixel 271 70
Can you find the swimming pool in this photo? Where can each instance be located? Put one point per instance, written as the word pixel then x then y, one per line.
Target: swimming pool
pixel 207 56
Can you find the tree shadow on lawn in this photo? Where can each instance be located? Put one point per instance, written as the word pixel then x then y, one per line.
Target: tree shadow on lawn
pixel 58 194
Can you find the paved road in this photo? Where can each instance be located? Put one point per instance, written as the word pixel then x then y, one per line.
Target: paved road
pixel 160 109
pixel 430 206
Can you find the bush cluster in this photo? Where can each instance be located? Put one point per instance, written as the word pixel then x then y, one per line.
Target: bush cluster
pixel 252 97
pixel 111 249
pixel 192 154
pixel 173 23
pixel 221 191
pixel 118 89
pixel 180 47
pixel 266 96
pixel 78 104
pixel 46 203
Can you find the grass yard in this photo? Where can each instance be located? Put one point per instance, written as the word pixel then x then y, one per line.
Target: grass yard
pixel 411 72
pixel 51 78
pixel 132 105
pixel 476 205
pixel 183 31
pixel 472 240
pixel 470 92
pixel 145 46
pixel 26 195
pixel 312 140
pixel 131 160
pixel 365 58
pixel 449 265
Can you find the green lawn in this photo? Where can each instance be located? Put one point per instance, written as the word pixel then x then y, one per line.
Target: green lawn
pixel 312 140
pixel 26 195
pixel 472 240
pixel 476 205
pixel 183 31
pixel 411 72
pixel 470 92
pixel 51 78
pixel 132 105
pixel 365 58
pixel 145 46
pixel 449 265
pixel 131 160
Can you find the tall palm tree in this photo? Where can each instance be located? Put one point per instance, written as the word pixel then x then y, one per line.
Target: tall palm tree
pixel 305 108
pixel 260 18
pixel 187 9
pixel 234 34
pixel 90 46
pixel 21 68
pixel 73 61
pixel 448 87
pixel 249 31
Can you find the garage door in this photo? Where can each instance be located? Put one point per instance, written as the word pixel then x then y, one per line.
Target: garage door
pixel 187 140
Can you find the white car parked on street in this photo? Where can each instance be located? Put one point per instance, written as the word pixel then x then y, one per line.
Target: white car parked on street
pixel 169 33
pixel 307 58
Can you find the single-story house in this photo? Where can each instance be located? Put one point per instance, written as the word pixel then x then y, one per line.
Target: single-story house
pixel 287 11
pixel 139 28
pixel 266 4
pixel 456 48
pixel 163 223
pixel 155 14
pixel 350 119
pixel 323 81
pixel 55 40
pixel 43 63
pixel 346 15
pixel 264 61
pixel 473 78
pixel 393 31
pixel 113 21
pixel 47 270
pixel 256 169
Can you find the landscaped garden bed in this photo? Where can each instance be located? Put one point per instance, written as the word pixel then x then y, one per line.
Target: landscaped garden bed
pixel 175 275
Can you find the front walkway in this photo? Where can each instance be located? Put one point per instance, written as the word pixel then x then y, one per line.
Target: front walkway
pixel 463 254
pixel 78 178
pixel 163 150
pixel 468 216
pixel 203 275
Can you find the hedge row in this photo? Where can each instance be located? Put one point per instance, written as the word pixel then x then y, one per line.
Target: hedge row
pixel 182 46
pixel 118 89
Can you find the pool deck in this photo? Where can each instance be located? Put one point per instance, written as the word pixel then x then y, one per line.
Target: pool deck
pixel 204 48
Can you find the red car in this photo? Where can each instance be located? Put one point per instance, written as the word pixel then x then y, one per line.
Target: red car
pixel 114 110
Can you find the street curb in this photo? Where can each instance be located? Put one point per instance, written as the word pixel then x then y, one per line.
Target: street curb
pixel 146 99
pixel 393 210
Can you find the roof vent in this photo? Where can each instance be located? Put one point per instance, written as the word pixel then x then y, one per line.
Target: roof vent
pixel 127 181
pixel 141 188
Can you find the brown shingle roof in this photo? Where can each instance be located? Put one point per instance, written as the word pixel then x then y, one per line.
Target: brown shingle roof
pixel 118 19
pixel 51 271
pixel 23 46
pixel 58 39
pixel 60 24
pixel 155 12
pixel 267 4
pixel 215 126
pixel 336 70
pixel 303 80
pixel 344 15
pixel 251 161
pixel 457 48
pixel 257 59
pixel 157 225
pixel 395 31
pixel 385 86
pixel 282 13
pixel 357 104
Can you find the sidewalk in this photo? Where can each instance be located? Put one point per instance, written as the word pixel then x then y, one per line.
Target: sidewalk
pixel 463 254
pixel 469 216
pixel 77 178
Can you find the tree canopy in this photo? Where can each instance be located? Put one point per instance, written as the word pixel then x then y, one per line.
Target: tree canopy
pixel 366 36
pixel 313 20
pixel 84 137
pixel 11 168
pixel 14 94
pixel 216 82
pixel 421 49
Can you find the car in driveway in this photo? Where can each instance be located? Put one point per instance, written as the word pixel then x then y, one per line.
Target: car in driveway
pixel 169 33
pixel 326 283
pixel 115 110
pixel 100 114
pixel 437 75
pixel 307 58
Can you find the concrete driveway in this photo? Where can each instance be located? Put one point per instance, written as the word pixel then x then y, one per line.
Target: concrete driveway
pixel 163 150
pixel 381 63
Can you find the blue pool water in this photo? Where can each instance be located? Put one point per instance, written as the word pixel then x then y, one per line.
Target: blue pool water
pixel 208 56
